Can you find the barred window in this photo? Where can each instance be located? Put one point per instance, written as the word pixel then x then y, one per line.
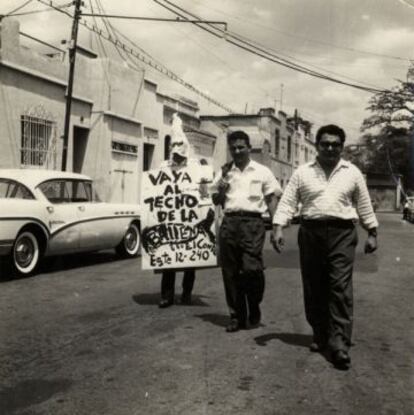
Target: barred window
pixel 36 138
pixel 120 147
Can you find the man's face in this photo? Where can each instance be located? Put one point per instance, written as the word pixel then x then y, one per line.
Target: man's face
pixel 329 149
pixel 239 151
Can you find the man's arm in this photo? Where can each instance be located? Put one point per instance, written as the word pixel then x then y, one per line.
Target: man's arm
pixel 221 185
pixel 285 211
pixel 271 201
pixel 219 197
pixel 276 238
pixel 371 243
pixel 366 214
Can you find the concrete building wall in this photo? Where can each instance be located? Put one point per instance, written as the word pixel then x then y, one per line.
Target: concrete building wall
pixel 119 119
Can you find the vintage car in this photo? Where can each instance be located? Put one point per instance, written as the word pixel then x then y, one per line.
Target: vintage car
pixel 409 209
pixel 44 213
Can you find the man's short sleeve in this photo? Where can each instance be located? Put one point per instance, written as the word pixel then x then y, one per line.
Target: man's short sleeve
pixel 270 184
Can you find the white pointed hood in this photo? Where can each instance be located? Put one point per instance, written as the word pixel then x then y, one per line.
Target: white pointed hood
pixel 179 142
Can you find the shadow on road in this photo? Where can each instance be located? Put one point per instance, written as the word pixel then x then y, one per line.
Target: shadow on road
pixel 302 340
pixel 31 392
pixel 154 298
pixel 62 263
pixel 67 262
pixel 220 320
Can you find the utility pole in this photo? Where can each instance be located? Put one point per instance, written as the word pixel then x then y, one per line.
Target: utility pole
pixel 72 59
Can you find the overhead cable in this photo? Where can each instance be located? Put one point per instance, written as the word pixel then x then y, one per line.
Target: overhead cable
pixel 160 68
pixel 248 46
pixel 17 9
pixel 307 39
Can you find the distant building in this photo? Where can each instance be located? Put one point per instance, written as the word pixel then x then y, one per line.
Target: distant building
pixel 385 191
pixel 277 142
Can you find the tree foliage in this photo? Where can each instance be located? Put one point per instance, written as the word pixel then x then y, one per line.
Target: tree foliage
pixel 394 107
pixel 387 144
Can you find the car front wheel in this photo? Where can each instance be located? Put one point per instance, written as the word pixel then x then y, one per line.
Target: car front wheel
pixel 130 244
pixel 26 253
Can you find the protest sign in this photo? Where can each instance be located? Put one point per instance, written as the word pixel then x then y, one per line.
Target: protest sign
pixel 177 218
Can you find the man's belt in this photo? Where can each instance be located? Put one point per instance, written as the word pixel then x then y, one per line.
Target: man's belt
pixel 336 222
pixel 243 214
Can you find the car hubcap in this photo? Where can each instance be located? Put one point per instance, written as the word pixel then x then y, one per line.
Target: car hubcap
pixel 131 240
pixel 24 252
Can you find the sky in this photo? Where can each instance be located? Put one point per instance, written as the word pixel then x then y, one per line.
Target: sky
pixel 368 42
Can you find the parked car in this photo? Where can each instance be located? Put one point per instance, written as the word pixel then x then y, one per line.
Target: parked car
pixel 408 212
pixel 44 213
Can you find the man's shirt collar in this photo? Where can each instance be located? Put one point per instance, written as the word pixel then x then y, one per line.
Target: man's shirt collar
pixel 341 163
pixel 249 166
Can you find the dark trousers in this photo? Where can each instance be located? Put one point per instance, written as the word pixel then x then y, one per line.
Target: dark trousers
pixel 327 253
pixel 241 244
pixel 168 284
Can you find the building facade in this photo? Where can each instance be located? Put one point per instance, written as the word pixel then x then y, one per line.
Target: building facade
pixel 120 120
pixel 279 142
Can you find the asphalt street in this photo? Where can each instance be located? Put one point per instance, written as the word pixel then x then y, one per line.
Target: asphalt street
pixel 85 336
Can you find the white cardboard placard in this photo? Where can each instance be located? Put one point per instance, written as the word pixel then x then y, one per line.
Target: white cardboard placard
pixel 177 218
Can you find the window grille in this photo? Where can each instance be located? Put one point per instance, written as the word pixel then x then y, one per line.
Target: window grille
pixel 37 141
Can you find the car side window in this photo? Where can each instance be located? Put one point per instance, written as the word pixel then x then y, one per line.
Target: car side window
pixel 10 189
pixel 67 191
pixel 55 191
pixel 81 191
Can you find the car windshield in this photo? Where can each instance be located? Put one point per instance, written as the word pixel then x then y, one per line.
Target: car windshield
pixel 67 191
pixel 10 189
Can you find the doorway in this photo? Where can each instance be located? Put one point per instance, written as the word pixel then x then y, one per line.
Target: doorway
pixel 148 154
pixel 80 142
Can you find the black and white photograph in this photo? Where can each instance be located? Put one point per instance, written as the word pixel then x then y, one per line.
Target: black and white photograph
pixel 206 207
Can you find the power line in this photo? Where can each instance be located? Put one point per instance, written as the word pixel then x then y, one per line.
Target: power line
pixel 38 11
pixel 17 8
pixel 320 42
pixel 238 41
pixel 40 41
pixel 160 68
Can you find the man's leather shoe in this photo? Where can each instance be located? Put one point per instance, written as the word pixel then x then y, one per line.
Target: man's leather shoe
pixel 235 325
pixel 341 359
pixel 317 345
pixel 165 303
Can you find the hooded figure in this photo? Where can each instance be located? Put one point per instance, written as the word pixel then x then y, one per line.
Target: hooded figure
pixel 179 143
pixel 179 157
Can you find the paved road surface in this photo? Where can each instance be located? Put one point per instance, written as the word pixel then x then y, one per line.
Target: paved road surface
pixel 86 337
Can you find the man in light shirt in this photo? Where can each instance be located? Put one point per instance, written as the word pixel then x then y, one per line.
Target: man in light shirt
pixel 245 189
pixel 334 195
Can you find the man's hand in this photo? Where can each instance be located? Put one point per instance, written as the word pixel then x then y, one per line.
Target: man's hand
pixel 222 186
pixel 371 244
pixel 277 239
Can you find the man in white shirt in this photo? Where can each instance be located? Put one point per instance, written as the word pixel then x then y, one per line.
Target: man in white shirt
pixel 245 189
pixel 333 195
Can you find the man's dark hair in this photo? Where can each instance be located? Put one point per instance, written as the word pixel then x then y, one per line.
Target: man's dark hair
pixel 238 135
pixel 331 129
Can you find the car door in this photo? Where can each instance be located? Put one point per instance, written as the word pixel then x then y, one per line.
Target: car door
pixel 97 221
pixel 63 217
pixel 81 199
